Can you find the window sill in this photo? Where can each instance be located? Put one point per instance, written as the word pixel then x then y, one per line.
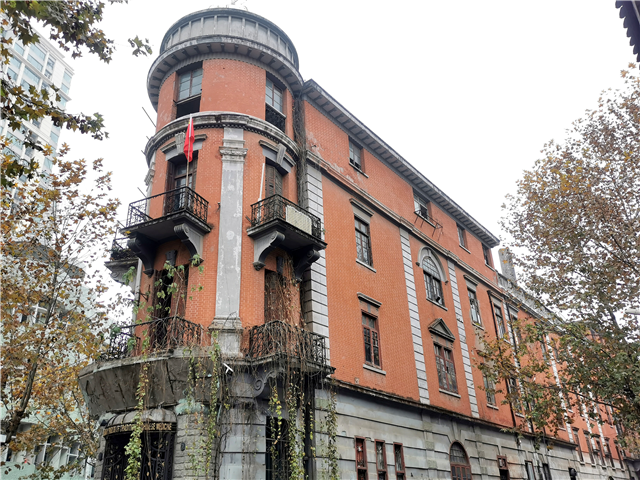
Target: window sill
pixel 359 170
pixel 366 265
pixel 477 326
pixel 519 415
pixel 437 304
pixel 446 392
pixel 492 406
pixel 374 369
pixel 465 249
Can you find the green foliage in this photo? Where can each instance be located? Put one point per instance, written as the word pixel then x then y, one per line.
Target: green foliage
pixel 73 26
pixel 574 222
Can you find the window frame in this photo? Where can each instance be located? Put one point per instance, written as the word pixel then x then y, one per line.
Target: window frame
pixel 462 237
pixel 423 208
pixel 531 473
pixel 270 92
pixel 490 390
pixel 363 241
pixel 382 472
pixel 442 366
pixel 467 475
pixel 576 436
pixel 501 327
pixel 590 449
pixel 398 453
pixel 355 155
pixel 373 335
pixel 361 469
pixel 190 94
pixel 433 284
pixel 488 258
pixel 474 306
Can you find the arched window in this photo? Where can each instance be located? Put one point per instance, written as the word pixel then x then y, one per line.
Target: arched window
pixel 460 468
pixel 432 279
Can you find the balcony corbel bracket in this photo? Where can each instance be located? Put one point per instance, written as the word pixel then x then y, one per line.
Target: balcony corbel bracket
pixel 263 245
pixel 191 238
pixel 145 250
pixel 303 260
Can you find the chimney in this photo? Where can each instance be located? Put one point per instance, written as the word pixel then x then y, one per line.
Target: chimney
pixel 506 264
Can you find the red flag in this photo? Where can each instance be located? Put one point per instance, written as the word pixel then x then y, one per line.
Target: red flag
pixel 189 141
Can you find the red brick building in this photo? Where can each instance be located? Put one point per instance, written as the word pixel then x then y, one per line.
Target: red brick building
pixel 303 220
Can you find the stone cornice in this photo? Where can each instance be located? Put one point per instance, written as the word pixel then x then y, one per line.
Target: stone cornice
pixel 203 120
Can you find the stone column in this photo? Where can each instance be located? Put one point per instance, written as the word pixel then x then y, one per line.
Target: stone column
pixel 227 317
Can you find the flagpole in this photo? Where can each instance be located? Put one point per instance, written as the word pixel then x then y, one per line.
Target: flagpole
pixel 188 160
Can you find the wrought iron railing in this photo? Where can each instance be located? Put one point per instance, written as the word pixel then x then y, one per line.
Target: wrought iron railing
pixel 274 117
pixel 162 334
pixel 120 250
pixel 179 200
pixel 278 207
pixel 281 339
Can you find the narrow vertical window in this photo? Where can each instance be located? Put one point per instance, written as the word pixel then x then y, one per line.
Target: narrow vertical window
pixel 273 96
pixel 547 471
pixel 446 369
pixel 371 340
pixel 361 459
pixel 587 436
pixel 363 242
pixel 432 280
pixel 474 308
pixel 599 452
pixel 576 436
pixel 381 460
pixel 462 237
pixel 398 456
pixel 620 457
pixel 502 329
pixel 490 390
pixel 531 475
pixel 272 181
pixel 355 155
pixel 486 251
pixel 607 451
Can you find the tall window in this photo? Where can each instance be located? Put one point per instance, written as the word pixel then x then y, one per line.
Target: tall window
pixel 460 468
pixel 273 96
pixel 36 57
pixel 502 329
pixel 398 456
pixel 355 154
pixel 371 340
pixel 432 280
pixel 620 457
pixel 462 237
pixel 607 451
pixel 446 368
pixel 190 84
pixel 598 451
pixel 486 251
pixel 381 460
pixel 361 458
pixel 363 242
pixel 490 390
pixel 272 181
pixel 576 436
pixel 546 471
pixel 277 457
pixel 531 474
pixel 587 436
pixel 474 307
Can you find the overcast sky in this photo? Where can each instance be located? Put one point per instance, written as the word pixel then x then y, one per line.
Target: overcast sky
pixel 467 91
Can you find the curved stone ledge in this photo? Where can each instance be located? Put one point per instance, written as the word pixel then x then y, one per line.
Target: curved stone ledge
pixel 203 120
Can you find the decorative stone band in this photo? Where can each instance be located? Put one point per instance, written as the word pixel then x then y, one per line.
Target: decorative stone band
pixel 220 120
pixel 146 427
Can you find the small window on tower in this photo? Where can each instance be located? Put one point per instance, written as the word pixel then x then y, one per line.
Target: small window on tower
pixel 189 90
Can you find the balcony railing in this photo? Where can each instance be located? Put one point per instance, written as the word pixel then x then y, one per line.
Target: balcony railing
pixel 179 200
pixel 278 207
pixel 281 339
pixel 120 251
pixel 162 334
pixel 274 117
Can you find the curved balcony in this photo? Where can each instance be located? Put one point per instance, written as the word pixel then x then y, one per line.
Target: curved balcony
pixel 279 223
pixel 180 213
